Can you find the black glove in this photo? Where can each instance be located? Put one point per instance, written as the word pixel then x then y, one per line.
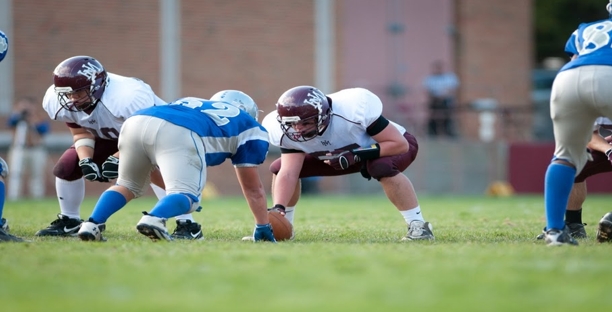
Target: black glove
pixel 344 160
pixel 364 172
pixel 278 208
pixel 110 167
pixel 263 232
pixel 91 171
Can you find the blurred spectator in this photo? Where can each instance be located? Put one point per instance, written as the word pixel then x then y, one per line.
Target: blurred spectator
pixel 441 89
pixel 27 154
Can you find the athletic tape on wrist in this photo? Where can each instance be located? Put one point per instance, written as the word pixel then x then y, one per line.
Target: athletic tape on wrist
pixel 84 142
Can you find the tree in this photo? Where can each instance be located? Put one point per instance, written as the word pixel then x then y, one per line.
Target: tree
pixel 555 20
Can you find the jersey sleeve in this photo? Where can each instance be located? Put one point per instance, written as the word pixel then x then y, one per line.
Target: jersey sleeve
pixel 571 46
pixel 271 124
pixel 370 107
pixel 50 103
pixel 252 148
pixel 136 99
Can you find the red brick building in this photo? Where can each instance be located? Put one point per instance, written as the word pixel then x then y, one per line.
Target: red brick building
pixel 264 47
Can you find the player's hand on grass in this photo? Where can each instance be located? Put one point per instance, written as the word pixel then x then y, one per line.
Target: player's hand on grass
pixel 263 232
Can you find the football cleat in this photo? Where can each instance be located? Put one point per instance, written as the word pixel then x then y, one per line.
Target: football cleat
pixel 4 225
pixel 91 231
pixel 419 230
pixel 187 229
pixel 62 226
pixel 6 237
pixel 153 227
pixel 604 228
pixel 556 237
pixel 576 230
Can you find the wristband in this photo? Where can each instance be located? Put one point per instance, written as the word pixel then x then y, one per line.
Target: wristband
pixel 370 152
pixel 608 152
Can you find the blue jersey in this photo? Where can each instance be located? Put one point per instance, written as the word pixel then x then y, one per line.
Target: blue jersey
pixel 227 131
pixel 592 42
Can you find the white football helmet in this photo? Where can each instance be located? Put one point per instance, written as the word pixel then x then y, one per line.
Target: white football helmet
pixel 238 99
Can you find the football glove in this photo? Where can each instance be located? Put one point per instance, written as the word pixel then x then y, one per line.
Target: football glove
pixel 110 167
pixel 344 160
pixel 91 171
pixel 263 232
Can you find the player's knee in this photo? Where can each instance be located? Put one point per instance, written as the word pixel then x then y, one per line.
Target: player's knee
pixel 275 166
pixel 381 169
pixel 67 169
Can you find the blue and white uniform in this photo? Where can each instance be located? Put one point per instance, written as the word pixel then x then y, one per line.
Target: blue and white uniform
pixel 182 139
pixel 581 92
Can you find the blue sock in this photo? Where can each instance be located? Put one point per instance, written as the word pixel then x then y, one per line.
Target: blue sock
pixel 557 187
pixel 2 191
pixel 171 206
pixel 109 203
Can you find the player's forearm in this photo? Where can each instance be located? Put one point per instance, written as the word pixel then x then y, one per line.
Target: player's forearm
pixel 284 186
pixel 598 143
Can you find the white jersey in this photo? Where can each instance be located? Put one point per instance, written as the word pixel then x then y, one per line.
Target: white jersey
pixel 123 96
pixel 353 111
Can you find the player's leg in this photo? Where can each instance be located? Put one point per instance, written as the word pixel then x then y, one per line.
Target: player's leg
pixel 70 191
pixel 400 191
pixel 572 119
pixel 573 214
pixel 179 154
pixel 4 234
pixel 133 176
pixel 70 188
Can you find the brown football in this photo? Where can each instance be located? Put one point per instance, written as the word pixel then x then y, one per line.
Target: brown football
pixel 281 227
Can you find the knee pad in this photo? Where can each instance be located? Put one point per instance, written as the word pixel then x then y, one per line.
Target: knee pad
pixel 381 168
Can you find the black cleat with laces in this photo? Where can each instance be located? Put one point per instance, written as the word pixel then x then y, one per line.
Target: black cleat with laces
pixel 576 230
pixel 4 233
pixel 604 229
pixel 187 229
pixel 62 226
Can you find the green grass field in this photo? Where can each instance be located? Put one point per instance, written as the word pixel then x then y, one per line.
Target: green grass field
pixel 346 257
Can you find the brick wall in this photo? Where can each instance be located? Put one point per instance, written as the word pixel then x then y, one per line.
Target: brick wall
pixel 261 47
pixel 495 56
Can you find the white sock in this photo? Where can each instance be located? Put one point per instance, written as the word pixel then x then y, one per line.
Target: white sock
pixel 159 192
pixel 412 214
pixel 289 214
pixel 70 195
pixel 185 217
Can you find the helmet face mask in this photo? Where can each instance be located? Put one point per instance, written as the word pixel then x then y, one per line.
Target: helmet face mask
pixel 79 83
pixel 238 99
pixel 303 113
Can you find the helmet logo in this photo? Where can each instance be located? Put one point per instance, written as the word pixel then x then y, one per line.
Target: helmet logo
pixel 314 99
pixel 3 44
pixel 90 71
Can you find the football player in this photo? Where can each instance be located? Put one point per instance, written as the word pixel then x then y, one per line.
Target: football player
pixel 601 154
pixel 581 92
pixel 338 134
pixel 94 104
pixel 182 139
pixel 4 228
